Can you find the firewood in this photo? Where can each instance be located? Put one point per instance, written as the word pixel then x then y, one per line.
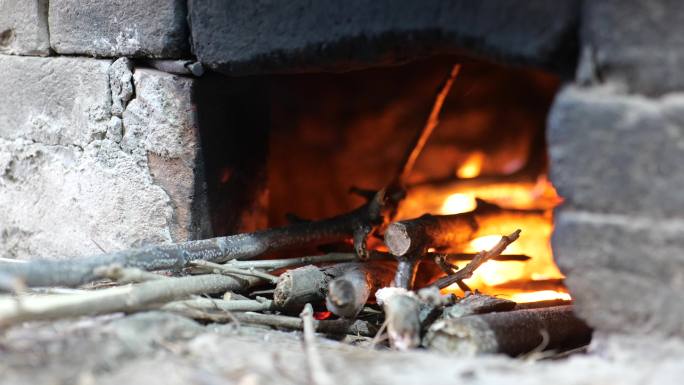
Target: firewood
pixel 16 309
pixel 201 304
pixel 477 304
pixel 415 236
pixel 309 284
pixel 481 258
pixel 332 327
pixel 402 317
pixel 513 332
pixel 276 264
pixel 318 375
pixel 348 293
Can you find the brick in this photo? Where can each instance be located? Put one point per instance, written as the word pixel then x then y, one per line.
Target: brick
pixel 24 27
pixel 619 154
pixel 625 272
pixel 106 28
pixel 635 43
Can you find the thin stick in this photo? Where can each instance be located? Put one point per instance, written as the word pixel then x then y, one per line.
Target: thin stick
pixel 275 264
pixel 211 304
pixel 481 258
pixel 126 274
pixel 116 299
pixel 336 327
pixel 223 269
pixel 318 375
pixel 421 138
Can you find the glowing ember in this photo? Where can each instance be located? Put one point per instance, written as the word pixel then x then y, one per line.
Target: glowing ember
pixel 458 203
pixel 472 166
pixel 322 315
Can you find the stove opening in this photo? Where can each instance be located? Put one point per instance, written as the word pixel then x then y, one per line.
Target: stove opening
pixel 330 133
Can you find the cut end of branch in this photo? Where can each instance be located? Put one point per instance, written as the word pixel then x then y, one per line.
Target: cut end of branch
pixel 397 239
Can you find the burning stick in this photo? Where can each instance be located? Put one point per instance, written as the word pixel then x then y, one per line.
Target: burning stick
pixel 513 333
pixel 481 258
pixel 309 284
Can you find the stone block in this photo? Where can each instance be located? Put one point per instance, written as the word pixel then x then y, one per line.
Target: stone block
pixel 55 101
pixel 76 180
pixel 246 36
pixel 24 27
pixel 625 272
pixel 105 28
pixel 636 43
pixel 618 154
pixel 616 160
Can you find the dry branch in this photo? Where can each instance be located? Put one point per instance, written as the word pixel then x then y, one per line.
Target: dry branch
pixel 116 299
pixel 402 316
pixel 481 258
pixel 333 327
pixel 309 284
pixel 228 270
pixel 317 373
pixel 275 264
pixel 220 305
pixel 513 333
pixel 348 293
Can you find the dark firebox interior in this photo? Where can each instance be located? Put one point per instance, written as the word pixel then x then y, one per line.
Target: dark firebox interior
pixel 296 143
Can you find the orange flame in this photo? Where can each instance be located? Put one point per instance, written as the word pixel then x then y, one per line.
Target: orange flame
pixel 533 242
pixel 472 166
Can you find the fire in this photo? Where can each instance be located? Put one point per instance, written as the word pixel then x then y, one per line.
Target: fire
pixel 472 166
pixel 458 203
pixel 537 197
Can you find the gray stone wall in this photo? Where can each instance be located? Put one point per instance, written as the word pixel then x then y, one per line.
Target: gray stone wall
pixel 77 179
pixel 616 141
pixel 24 27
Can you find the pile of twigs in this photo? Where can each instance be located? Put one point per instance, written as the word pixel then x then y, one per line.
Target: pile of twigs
pixel 363 292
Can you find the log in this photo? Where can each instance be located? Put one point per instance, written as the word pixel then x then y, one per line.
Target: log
pixel 309 284
pixel 349 293
pixel 514 332
pixel 415 236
